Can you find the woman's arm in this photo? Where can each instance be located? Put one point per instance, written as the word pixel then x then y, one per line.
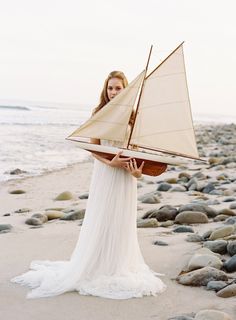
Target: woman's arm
pixel 116 162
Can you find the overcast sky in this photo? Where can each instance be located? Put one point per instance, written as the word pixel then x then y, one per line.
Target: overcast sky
pixel 62 50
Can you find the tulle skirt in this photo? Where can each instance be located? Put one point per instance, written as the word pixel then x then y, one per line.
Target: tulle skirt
pixel 107 261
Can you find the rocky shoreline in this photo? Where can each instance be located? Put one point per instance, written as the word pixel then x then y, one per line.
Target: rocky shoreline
pixel 194 204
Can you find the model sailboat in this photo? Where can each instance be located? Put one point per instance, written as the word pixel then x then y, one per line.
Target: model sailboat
pixel 162 131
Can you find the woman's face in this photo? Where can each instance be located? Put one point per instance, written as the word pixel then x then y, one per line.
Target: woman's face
pixel 114 86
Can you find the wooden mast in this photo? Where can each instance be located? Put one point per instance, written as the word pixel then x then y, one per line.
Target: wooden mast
pixel 136 111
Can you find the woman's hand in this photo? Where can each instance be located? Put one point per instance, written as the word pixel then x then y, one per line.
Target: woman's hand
pixel 118 162
pixel 133 169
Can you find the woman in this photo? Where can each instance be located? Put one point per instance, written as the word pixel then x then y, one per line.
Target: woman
pixel 107 261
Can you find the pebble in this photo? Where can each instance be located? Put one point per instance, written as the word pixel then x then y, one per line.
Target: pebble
pixel 178 188
pixel 203 260
pixel 211 213
pixel 22 210
pixel 84 196
pixel 217 246
pixel 190 217
pixel 40 216
pixel 215 285
pixel 147 223
pixel 231 220
pixel 227 292
pixel 164 186
pixel 33 221
pixel 221 232
pixel 17 191
pixel 194 238
pixel 5 227
pixel 212 315
pixel 227 212
pixel 54 214
pixel 74 215
pixel 231 248
pixel 230 265
pixel 151 199
pixel 180 229
pixel 201 277
pixel 232 205
pixel 220 217
pixel 160 243
pixel 66 195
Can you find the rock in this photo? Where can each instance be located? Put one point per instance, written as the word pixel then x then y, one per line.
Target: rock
pixel 229 199
pixel 190 217
pixel 149 194
pixel 66 195
pixel 231 220
pixel 212 315
pixel 232 205
pixel 221 232
pixel 229 291
pixel 54 214
pixel 163 214
pixel 217 246
pixel 220 217
pixel 183 317
pixel 167 223
pixel 231 248
pixel 171 180
pixel 204 260
pixel 164 186
pixel 84 196
pixel 199 176
pixel 151 199
pixel 201 277
pixel 160 243
pixel 40 216
pixel 4 227
pixel 185 175
pixel 55 209
pixel 204 250
pixel 74 215
pixel 207 234
pixel 17 171
pixel 208 188
pixel 17 191
pixel 177 189
pixel 22 210
pixel 34 221
pixel 215 285
pixel 147 223
pixel 230 265
pixel 194 238
pixel 227 212
pixel 211 213
pixel 180 229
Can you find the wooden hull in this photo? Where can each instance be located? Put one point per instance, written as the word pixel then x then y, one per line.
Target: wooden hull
pixel 154 164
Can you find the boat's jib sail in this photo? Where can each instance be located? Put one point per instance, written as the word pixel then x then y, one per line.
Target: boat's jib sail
pixel 164 119
pixel 111 122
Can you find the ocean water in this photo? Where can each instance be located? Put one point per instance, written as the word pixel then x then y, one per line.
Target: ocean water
pixel 33 136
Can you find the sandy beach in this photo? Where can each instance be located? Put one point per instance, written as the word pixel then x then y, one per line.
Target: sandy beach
pixel 55 240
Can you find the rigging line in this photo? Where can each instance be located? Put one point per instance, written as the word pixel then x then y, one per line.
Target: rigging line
pixel 161 104
pixel 164 132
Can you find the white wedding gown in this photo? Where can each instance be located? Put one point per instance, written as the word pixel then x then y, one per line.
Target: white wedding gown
pixel 107 261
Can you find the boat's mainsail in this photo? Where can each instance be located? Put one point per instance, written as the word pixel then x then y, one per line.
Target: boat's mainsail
pixel 111 122
pixel 164 119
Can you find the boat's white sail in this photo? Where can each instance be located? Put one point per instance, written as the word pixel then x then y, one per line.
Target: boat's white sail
pixel 111 122
pixel 164 119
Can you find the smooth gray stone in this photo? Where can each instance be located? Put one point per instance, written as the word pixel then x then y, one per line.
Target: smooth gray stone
pixel 147 223
pixel 207 234
pixel 217 246
pixel 74 215
pixel 178 188
pixel 180 229
pixel 191 217
pixel 181 318
pixel 194 238
pixel 152 199
pixel 230 265
pixel 160 243
pixel 201 277
pixel 165 213
pixel 229 199
pixel 149 194
pixel 208 188
pixel 230 220
pixel 164 186
pixel 216 285
pixel 211 213
pixel 34 221
pixel 5 227
pixel 231 248
pixel 232 205
pixel 84 196
pixel 227 292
